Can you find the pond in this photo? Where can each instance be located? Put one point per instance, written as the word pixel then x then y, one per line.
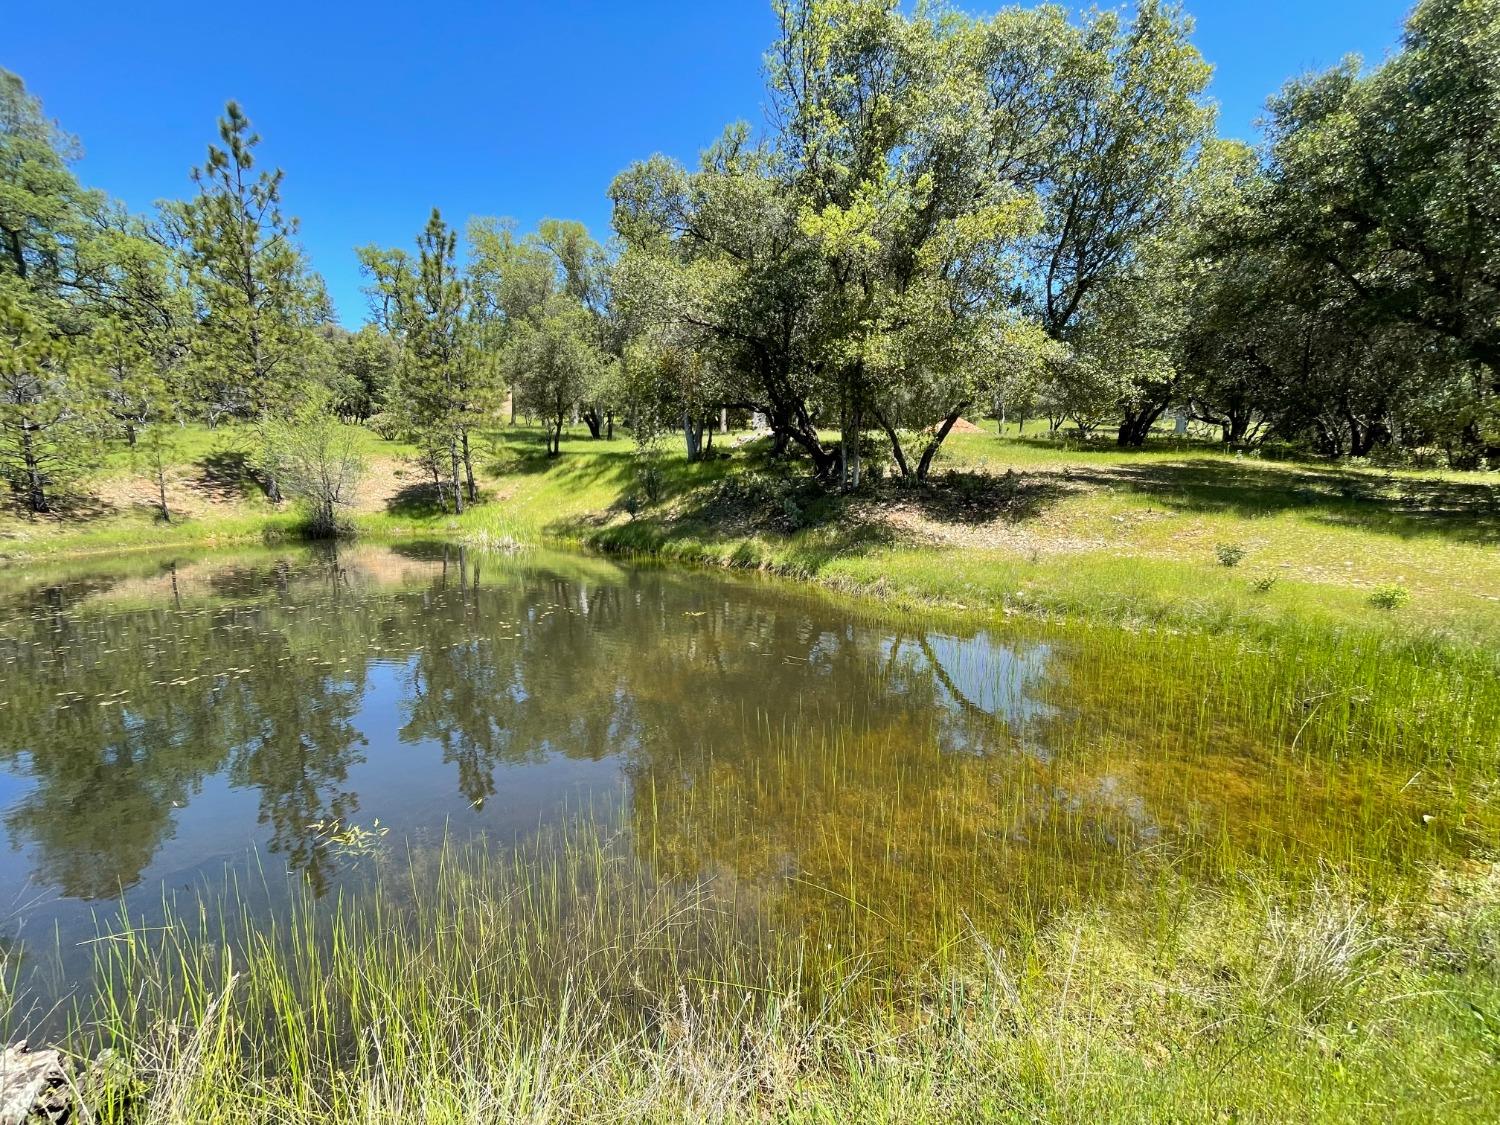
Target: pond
pixel 872 778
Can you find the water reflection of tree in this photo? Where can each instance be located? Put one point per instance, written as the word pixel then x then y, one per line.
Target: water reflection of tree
pixel 108 767
pixel 514 671
pixel 458 689
pixel 117 713
pixel 763 733
pixel 117 718
pixel 865 831
pixel 294 744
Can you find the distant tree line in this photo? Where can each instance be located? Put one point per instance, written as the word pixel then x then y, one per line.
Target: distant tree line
pixel 1026 215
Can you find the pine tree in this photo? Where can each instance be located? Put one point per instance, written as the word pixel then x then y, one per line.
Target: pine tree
pixel 257 298
pixel 447 379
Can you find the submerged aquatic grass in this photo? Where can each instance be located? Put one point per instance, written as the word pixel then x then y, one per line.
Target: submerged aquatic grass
pixel 567 980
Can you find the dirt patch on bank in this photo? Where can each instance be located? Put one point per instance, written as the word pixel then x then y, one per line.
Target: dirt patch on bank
pixel 213 487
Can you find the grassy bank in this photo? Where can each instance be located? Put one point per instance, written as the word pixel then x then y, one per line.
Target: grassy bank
pixel 1010 524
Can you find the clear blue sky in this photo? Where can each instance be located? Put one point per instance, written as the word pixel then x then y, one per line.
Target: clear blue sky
pixel 380 110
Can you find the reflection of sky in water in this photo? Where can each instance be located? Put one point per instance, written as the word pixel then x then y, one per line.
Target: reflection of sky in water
pixel 981 678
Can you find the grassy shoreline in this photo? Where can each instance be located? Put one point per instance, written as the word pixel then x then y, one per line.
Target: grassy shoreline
pixel 1319 542
pixel 467 988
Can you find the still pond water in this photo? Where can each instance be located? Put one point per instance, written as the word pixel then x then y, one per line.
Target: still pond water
pixel 167 724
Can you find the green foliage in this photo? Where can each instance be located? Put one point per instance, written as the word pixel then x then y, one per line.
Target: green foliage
pixel 1229 554
pixel 1389 595
pixel 1381 190
pixel 448 377
pixel 43 210
pixel 256 298
pixel 1023 211
pixel 363 372
pixel 553 361
pixel 141 331
pixel 549 317
pixel 318 461
pixel 939 197
pixel 47 389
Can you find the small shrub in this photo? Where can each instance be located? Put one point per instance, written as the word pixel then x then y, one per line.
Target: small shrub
pixel 1391 595
pixel 769 498
pixel 792 516
pixel 1229 554
pixel 1318 958
pixel 1264 583
pixel 649 474
pixel 316 460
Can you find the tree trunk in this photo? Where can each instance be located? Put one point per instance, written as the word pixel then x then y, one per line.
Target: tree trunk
pixel 925 464
pixel 1239 425
pixel 1364 439
pixel 36 491
pixel 469 470
pixel 458 492
pixel 779 440
pixel 1136 425
pixel 849 462
pixel 690 437
pixel 609 426
pixel 161 492
pixel 895 439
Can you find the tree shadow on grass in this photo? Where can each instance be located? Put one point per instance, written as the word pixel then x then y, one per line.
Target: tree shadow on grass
pixel 804 523
pixel 710 513
pixel 417 501
pixel 63 508
pixel 524 450
pixel 512 459
pixel 1466 511
pixel 226 475
pixel 963 497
